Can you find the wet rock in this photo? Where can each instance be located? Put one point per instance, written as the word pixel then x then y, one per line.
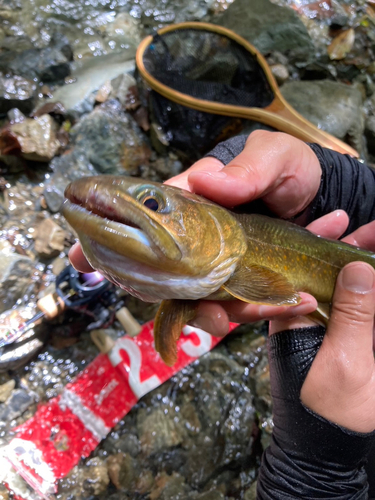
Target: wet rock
pixel 53 369
pixel 55 109
pixel 19 402
pixel 6 390
pixel 95 477
pixel 79 96
pixel 111 140
pixel 158 431
pixel 269 27
pixel 122 471
pixel 34 139
pixel 16 116
pixel 331 106
pixel 4 493
pixel 61 42
pixel 168 487
pixel 48 65
pixel 104 92
pixel 251 493
pixel 49 239
pixel 280 72
pixel 145 481
pixel 124 30
pixel 67 168
pixel 17 92
pixel 207 495
pixel 238 428
pixel 124 89
pixel 15 279
pixel 127 443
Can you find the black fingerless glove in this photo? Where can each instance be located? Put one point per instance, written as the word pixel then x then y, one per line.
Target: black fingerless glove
pixel 309 457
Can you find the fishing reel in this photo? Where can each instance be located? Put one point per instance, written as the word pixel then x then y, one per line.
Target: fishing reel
pixel 24 332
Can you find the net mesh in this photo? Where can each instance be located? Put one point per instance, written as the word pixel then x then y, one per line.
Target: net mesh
pixel 208 66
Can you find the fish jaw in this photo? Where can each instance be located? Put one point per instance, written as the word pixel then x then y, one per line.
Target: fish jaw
pixel 148 283
pixel 138 250
pixel 99 212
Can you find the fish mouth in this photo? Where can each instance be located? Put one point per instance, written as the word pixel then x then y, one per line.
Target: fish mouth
pixel 99 210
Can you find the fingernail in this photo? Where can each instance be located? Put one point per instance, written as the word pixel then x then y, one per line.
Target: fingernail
pixel 358 278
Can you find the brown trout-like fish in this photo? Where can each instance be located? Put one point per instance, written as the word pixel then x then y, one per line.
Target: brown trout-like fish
pixel 160 242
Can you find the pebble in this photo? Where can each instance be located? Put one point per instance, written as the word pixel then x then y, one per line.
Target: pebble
pixel 6 390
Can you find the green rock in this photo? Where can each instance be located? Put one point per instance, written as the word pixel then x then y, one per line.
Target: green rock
pixel 269 27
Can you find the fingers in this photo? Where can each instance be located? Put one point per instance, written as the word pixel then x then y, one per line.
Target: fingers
pixel 205 164
pixel 281 169
pixel 214 317
pixel 364 237
pixel 332 225
pixel 78 260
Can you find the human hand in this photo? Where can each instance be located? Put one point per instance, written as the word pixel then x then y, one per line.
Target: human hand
pixel 274 166
pixel 340 385
pixel 319 373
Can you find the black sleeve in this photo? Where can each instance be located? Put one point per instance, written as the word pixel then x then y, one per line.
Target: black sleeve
pixel 346 183
pixel 309 457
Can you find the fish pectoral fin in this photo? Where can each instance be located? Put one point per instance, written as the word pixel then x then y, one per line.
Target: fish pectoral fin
pixel 172 315
pixel 260 285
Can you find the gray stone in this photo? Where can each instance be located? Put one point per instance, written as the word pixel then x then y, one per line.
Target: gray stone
pixel 95 477
pixel 331 106
pixel 35 138
pixel 19 402
pixel 251 493
pixel 15 278
pixel 48 65
pixel 66 168
pixel 122 471
pixel 111 140
pixel 269 27
pixel 49 239
pixel 169 487
pixel 6 390
pixel 158 431
pixel 280 72
pixel 17 92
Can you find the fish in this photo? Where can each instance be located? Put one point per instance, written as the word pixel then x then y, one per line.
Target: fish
pixel 163 243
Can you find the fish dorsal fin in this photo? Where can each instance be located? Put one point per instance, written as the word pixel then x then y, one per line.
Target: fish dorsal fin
pixel 260 285
pixel 172 315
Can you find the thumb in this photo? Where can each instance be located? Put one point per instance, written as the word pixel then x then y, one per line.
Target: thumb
pixel 350 328
pixel 277 167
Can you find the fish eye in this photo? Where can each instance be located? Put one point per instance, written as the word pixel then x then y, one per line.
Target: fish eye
pixel 151 199
pixel 151 203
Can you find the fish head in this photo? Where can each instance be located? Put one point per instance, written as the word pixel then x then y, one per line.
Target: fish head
pixel 153 240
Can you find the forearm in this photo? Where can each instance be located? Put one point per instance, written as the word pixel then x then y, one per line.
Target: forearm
pixel 346 184
pixel 309 457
